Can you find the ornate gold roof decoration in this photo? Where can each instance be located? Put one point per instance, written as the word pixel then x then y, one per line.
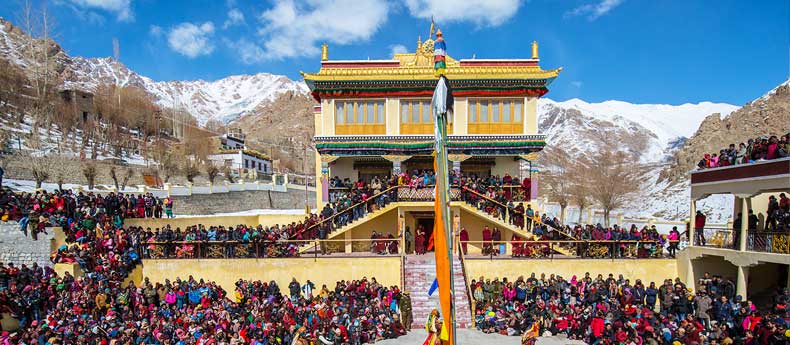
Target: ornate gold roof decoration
pixel 419 66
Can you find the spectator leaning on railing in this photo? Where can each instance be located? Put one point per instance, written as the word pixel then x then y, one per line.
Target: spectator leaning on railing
pixel 763 148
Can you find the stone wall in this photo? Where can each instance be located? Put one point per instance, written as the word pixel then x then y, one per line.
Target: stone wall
pixel 199 204
pixel 20 249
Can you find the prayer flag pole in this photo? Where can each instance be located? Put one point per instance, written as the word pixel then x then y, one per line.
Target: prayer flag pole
pixel 442 106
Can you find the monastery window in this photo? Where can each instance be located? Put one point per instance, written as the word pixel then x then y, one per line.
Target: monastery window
pixel 353 117
pixel 496 116
pixel 417 117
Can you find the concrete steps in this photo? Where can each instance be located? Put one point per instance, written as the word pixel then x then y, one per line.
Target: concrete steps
pixel 420 273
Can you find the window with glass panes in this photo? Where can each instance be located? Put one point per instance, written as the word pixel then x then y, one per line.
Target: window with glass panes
pixel 496 116
pixel 416 117
pixel 359 117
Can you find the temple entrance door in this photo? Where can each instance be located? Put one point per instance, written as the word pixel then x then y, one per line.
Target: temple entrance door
pixel 427 225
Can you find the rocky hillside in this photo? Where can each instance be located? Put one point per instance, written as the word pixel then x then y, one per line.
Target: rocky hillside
pixel 225 99
pixel 288 122
pixel 767 115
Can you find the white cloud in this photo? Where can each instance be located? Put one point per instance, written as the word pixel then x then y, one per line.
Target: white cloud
pixel 235 17
pixel 594 11
pixel 577 84
pixel 248 52
pixel 294 28
pixel 155 30
pixel 121 8
pixel 480 12
pixel 192 40
pixel 398 49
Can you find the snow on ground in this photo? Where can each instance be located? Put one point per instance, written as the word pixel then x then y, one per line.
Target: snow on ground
pixel 51 140
pixel 30 186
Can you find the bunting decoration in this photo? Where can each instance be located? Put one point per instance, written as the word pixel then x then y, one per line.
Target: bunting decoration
pixel 439 54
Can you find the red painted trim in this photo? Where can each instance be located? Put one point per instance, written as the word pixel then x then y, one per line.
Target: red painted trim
pixel 498 63
pixel 529 92
pixel 743 171
pixel 330 64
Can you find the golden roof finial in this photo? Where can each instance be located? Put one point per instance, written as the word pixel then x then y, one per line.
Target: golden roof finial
pixel 324 52
pixel 419 43
pixel 535 49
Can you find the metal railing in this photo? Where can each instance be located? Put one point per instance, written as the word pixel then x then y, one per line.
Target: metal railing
pixel 625 249
pixel 768 242
pixel 716 237
pixel 266 249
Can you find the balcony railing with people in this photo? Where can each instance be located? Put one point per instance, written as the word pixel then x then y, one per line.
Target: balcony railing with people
pixel 543 249
pixel 768 242
pixel 266 249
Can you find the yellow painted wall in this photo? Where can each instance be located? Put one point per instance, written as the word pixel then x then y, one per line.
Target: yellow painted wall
pixel 531 115
pixel 323 270
pixel 460 117
pixel 328 117
pixel 474 226
pixel 73 269
pixel 386 223
pixel 759 204
pixel 505 165
pixel 648 270
pixel 392 116
pixel 344 168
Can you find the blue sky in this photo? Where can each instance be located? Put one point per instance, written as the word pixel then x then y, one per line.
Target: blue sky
pixel 638 51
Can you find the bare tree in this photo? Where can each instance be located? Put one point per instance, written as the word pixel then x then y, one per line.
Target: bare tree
pixel 61 170
pixel 191 170
pixel 211 171
pixel 579 188
pixel 41 53
pixel 129 174
pixel 39 168
pixel 613 179
pixel 89 171
pixel 114 177
pixel 557 177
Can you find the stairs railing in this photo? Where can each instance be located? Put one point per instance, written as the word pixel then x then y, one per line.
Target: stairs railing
pixel 372 199
pixel 534 220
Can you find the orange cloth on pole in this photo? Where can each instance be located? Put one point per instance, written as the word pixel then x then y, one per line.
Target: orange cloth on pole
pixel 442 264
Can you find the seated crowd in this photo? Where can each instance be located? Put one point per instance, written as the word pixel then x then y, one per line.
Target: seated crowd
pixel 611 310
pixel 41 209
pixel 100 309
pixel 762 148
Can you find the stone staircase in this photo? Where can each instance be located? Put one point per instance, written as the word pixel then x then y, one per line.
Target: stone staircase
pixel 502 224
pixel 420 271
pixel 339 231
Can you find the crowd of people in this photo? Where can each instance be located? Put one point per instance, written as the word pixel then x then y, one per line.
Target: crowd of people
pixel 40 209
pixel 98 308
pixel 616 310
pixel 762 148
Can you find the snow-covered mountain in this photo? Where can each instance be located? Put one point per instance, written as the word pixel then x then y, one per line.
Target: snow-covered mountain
pixel 652 131
pixel 226 99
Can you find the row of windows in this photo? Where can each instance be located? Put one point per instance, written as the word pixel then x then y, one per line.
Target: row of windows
pixel 485 116
pixel 359 112
pixel 485 111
